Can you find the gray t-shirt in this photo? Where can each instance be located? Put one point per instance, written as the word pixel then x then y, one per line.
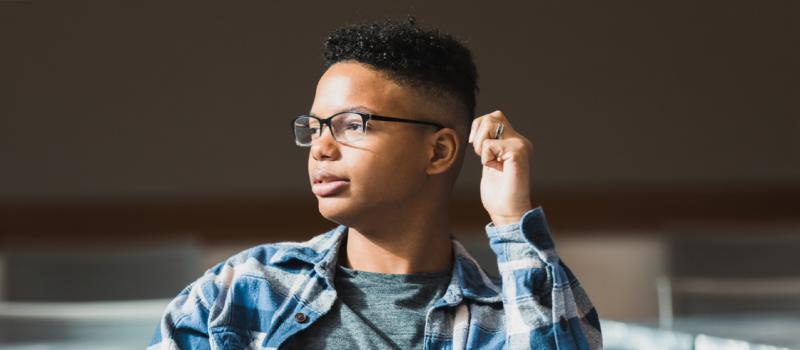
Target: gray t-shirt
pixel 376 311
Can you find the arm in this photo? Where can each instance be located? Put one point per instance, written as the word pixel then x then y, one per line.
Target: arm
pixel 543 302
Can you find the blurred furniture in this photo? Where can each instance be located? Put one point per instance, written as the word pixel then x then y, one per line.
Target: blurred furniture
pixel 146 271
pixel 79 325
pixel 719 332
pixel 91 297
pixel 723 274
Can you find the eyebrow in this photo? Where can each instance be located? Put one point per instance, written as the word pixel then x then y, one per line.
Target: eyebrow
pixel 361 109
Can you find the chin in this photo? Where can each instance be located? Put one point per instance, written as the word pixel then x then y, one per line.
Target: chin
pixel 337 210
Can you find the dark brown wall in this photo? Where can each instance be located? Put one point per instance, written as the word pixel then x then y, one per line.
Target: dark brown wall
pixel 152 100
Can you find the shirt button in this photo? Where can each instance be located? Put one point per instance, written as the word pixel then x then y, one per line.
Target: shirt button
pixel 537 239
pixel 563 323
pixel 300 317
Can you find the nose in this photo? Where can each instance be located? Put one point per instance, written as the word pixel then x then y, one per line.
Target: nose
pixel 325 147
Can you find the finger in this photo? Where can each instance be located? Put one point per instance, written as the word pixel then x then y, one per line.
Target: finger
pixel 480 135
pixel 476 127
pixel 486 131
pixel 491 154
pixel 498 116
pixel 485 127
pixel 490 151
pixel 476 124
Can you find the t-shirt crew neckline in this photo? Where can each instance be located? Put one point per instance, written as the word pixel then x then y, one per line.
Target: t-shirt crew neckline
pixel 392 278
pixel 376 311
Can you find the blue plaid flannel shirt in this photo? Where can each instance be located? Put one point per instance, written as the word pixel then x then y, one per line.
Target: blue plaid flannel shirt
pixel 260 298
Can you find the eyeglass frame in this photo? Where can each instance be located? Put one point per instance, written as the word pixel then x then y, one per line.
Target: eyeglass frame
pixel 365 117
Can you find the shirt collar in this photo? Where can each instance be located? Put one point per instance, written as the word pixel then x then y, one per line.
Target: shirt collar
pixel 320 251
pixel 468 280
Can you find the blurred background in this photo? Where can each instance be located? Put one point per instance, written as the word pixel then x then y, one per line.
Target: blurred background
pixel 142 142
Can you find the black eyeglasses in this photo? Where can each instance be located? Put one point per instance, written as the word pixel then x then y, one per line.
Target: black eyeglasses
pixel 344 126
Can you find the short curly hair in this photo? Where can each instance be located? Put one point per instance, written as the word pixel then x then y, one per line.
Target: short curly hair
pixel 421 58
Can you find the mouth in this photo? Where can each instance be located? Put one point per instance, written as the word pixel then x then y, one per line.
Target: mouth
pixel 327 184
pixel 326 181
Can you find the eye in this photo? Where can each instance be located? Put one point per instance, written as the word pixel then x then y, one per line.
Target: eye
pixel 355 126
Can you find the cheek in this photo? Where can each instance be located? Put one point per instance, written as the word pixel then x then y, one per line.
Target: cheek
pixel 389 172
pixel 312 165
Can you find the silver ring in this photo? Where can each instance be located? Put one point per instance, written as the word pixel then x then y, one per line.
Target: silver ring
pixel 499 131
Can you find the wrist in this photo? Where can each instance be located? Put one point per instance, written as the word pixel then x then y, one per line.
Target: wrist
pixel 502 220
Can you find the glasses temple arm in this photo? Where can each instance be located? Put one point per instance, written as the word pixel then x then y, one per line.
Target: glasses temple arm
pixel 410 121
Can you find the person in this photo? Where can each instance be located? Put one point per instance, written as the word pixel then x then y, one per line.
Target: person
pixel 391 121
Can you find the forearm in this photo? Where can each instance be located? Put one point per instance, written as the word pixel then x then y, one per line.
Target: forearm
pixel 543 301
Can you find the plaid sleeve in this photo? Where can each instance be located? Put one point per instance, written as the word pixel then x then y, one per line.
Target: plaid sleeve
pixel 545 306
pixel 184 324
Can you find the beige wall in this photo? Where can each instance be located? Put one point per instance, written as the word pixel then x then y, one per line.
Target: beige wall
pixel 617 271
pixel 153 99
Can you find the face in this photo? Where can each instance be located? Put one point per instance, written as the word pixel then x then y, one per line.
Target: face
pixel 358 183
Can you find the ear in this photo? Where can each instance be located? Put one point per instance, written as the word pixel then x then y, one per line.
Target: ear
pixel 444 151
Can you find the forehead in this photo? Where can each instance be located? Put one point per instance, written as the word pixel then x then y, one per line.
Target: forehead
pixel 349 86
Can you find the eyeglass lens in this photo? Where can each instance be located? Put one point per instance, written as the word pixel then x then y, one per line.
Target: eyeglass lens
pixel 347 127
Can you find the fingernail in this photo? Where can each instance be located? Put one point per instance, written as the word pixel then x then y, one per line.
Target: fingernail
pixel 470 138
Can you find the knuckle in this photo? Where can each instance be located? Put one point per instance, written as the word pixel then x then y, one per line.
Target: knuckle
pixel 498 115
pixel 527 143
pixel 522 145
pixel 525 149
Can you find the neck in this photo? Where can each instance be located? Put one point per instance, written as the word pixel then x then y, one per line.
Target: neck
pixel 417 241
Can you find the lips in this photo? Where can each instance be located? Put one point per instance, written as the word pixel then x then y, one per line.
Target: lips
pixel 326 183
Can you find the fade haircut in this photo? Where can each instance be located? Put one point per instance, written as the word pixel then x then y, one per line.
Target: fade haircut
pixel 435 64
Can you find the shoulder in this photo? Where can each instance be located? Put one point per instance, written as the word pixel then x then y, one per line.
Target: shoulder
pixel 267 260
pixel 244 291
pixel 269 269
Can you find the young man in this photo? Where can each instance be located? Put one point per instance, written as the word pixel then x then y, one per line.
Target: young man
pixel 391 121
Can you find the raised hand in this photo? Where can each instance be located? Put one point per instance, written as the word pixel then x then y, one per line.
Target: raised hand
pixel 505 184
